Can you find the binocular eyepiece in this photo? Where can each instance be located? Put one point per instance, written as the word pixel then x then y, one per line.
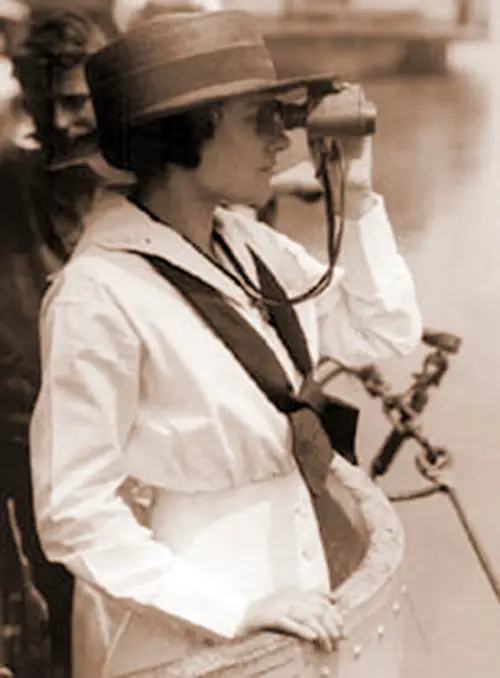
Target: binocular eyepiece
pixel 341 111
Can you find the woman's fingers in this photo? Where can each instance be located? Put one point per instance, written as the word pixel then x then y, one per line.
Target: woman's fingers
pixel 310 615
pixel 296 628
pixel 320 621
pixel 321 633
pixel 332 597
pixel 354 147
pixel 333 623
pixel 311 630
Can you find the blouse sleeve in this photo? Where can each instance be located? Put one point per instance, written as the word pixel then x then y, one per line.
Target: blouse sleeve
pixel 369 311
pixel 83 416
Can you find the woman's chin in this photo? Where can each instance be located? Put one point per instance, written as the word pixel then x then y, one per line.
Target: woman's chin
pixel 254 193
pixel 254 200
pixel 261 197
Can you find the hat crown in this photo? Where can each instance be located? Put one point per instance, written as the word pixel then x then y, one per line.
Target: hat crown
pixel 174 37
pixel 176 61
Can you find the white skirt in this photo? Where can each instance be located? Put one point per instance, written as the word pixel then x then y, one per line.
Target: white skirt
pixel 260 538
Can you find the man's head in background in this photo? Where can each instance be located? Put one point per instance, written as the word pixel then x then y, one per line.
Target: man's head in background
pixel 13 17
pixel 50 67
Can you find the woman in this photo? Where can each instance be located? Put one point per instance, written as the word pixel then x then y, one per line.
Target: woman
pixel 164 476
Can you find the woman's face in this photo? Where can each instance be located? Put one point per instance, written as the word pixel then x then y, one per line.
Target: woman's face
pixel 238 162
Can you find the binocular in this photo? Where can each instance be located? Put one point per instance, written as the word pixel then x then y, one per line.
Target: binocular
pixel 333 110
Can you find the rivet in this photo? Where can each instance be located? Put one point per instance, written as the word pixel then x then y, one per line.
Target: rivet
pixel 357 651
pixel 325 671
pixel 380 631
pixel 396 608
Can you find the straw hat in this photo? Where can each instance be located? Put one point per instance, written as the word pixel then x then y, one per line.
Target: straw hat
pixel 179 61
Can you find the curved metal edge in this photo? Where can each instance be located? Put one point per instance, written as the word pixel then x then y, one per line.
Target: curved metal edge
pixel 360 597
pixel 357 596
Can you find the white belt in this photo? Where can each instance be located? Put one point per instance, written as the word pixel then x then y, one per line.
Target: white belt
pixel 249 534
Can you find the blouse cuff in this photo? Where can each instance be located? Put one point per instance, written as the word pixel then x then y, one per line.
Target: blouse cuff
pixel 369 254
pixel 202 600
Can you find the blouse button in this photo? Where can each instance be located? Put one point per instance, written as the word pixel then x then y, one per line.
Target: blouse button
pixel 357 649
pixel 308 554
pixel 298 511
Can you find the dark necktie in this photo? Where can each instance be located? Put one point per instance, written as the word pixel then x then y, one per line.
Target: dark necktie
pixel 312 447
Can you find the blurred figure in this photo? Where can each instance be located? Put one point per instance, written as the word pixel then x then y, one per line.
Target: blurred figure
pixel 12 16
pixel 50 69
pixel 9 92
pixel 41 211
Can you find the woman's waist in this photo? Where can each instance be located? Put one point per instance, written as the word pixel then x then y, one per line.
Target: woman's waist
pixel 255 536
pixel 176 514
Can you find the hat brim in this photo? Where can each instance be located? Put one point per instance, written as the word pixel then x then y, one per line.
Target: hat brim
pixel 225 92
pixel 86 150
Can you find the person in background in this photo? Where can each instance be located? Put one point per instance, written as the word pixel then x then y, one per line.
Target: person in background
pixel 13 16
pixel 41 210
pixel 163 473
pixel 50 68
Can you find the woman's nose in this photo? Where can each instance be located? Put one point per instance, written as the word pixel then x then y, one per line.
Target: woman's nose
pixel 281 141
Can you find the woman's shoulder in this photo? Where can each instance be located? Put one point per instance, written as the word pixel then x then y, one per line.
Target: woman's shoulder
pixel 92 276
pixel 100 259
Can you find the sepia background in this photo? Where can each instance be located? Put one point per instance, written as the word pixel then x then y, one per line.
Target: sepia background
pixel 432 68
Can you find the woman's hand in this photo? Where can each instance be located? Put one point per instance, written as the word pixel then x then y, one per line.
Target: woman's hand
pixel 356 164
pixel 310 615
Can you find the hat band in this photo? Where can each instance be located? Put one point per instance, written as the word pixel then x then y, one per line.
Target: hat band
pixel 144 93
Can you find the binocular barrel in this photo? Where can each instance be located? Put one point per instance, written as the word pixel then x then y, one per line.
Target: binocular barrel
pixel 345 114
pixel 341 113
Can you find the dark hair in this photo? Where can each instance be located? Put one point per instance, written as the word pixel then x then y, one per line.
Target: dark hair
pixel 62 40
pixel 174 140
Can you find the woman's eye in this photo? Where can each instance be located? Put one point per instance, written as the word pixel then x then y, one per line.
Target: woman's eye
pixel 269 119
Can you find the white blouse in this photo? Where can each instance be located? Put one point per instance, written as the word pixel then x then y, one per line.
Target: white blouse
pixel 136 388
